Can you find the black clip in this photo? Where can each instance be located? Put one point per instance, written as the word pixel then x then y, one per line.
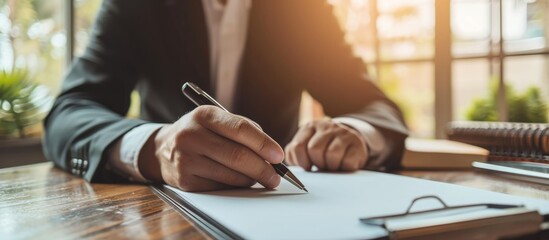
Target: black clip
pixel 382 220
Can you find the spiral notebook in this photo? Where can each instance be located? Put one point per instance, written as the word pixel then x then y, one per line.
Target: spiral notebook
pixel 506 141
pixel 516 150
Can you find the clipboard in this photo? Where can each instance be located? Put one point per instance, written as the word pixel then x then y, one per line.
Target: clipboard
pixel 331 210
pixel 197 217
pixel 460 221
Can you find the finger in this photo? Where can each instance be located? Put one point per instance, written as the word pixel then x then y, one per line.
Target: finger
pixel 335 152
pixel 289 155
pixel 239 158
pixel 212 170
pixel 316 148
pixel 253 122
pixel 354 158
pixel 357 153
pixel 241 131
pixel 298 147
pixel 200 184
pixel 180 177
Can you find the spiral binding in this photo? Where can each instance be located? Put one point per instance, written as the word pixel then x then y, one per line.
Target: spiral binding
pixel 506 141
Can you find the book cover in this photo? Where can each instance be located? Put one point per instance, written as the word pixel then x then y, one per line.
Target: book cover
pixel 441 154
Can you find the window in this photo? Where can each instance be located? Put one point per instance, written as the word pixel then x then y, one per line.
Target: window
pixel 436 58
pixel 396 40
pixel 33 37
pixel 510 41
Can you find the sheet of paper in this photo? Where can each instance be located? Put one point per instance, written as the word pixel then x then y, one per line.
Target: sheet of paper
pixel 334 204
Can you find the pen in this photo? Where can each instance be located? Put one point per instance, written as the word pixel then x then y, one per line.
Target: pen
pixel 199 97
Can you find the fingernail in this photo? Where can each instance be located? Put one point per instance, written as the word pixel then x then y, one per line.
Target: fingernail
pixel 274 181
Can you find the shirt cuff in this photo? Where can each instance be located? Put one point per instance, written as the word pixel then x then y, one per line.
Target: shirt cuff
pixel 124 155
pixel 375 142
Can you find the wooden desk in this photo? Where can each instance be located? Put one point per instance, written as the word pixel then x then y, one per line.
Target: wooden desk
pixel 40 201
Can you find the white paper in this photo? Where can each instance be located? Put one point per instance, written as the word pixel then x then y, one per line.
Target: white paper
pixel 334 204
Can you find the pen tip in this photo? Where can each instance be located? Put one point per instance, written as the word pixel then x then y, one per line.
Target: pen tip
pixel 305 189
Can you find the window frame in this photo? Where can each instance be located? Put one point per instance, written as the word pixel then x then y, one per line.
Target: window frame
pixel 69 29
pixel 443 59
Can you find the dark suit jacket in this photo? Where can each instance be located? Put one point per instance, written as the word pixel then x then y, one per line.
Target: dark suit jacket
pixel 155 46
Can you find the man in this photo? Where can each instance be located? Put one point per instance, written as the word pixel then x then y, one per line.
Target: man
pixel 256 58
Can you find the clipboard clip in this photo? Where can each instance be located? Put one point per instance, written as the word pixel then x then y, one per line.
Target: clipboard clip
pixel 381 221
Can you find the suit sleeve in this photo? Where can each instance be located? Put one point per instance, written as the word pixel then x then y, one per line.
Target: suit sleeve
pixel 88 115
pixel 338 80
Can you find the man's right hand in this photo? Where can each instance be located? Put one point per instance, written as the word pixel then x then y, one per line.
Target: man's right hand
pixel 209 149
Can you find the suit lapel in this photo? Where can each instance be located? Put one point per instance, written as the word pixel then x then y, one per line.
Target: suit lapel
pixel 188 18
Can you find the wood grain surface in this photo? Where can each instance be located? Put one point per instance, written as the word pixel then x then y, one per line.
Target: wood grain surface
pixel 40 201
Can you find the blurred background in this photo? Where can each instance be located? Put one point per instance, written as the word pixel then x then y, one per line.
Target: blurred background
pixel 439 60
pixel 450 60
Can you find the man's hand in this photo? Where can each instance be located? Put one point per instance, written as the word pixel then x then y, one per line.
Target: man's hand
pixel 327 145
pixel 210 149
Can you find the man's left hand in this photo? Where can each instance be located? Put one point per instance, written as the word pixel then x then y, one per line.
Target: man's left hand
pixel 329 146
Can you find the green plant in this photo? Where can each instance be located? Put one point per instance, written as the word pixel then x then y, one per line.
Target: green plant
pixel 20 103
pixel 526 107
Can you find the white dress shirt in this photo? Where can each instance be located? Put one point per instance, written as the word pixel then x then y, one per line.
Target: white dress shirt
pixel 227 28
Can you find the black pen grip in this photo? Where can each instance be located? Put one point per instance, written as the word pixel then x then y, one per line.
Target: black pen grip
pixel 280 168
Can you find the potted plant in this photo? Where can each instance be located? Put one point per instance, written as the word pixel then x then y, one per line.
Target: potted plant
pixel 23 105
